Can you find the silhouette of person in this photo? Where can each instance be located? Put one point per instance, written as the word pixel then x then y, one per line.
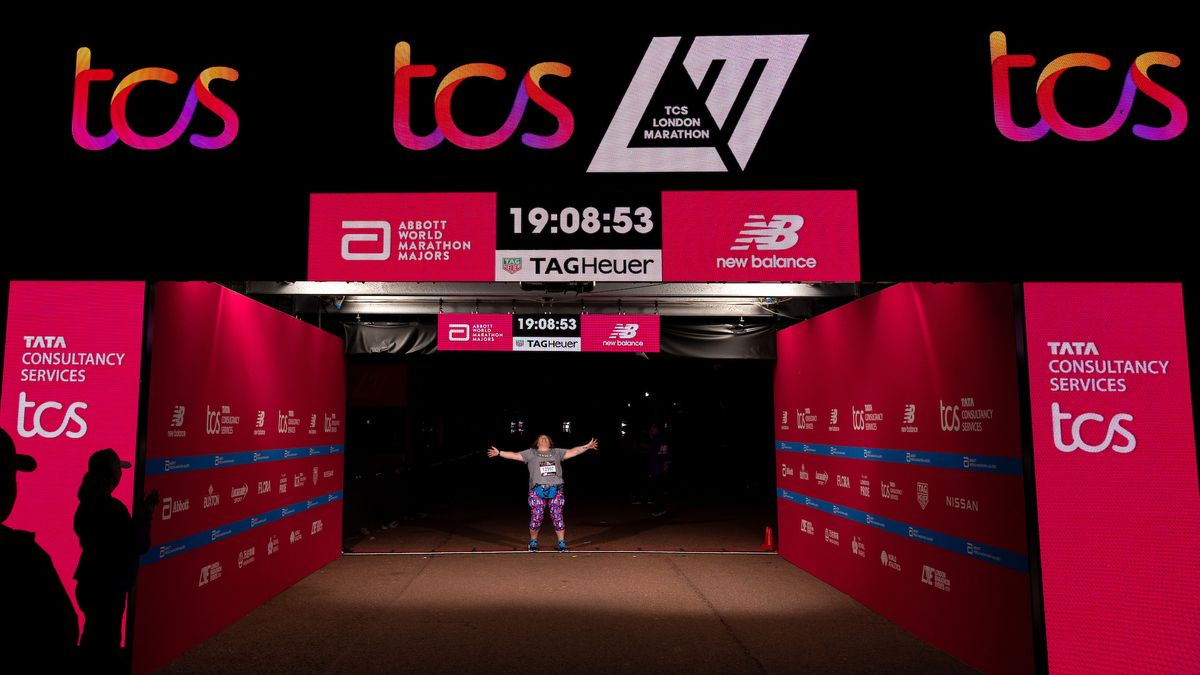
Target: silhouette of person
pixel 658 464
pixel 111 541
pixel 39 618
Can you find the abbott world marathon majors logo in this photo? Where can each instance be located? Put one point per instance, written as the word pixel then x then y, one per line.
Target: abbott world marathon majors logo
pixel 664 125
pixel 405 240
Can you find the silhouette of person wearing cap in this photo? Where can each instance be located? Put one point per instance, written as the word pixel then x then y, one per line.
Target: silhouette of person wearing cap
pixel 111 541
pixel 38 614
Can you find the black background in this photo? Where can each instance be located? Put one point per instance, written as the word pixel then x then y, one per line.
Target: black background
pixel 897 107
pixel 900 110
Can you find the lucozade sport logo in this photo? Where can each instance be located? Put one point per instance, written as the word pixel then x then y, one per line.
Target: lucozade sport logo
pixel 199 93
pixel 530 88
pixel 1137 79
pixel 739 118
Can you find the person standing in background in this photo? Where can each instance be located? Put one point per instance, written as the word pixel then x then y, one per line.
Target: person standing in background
pixel 111 541
pixel 40 626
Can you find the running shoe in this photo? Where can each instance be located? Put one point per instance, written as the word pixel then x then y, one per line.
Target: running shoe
pixel 562 546
pixel 533 545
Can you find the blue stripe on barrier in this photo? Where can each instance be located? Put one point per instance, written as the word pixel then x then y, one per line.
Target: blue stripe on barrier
pixel 216 534
pixel 163 465
pixel 998 556
pixel 941 460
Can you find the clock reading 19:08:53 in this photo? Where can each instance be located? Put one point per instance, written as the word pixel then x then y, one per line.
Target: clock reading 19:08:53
pixel 621 219
pixel 544 323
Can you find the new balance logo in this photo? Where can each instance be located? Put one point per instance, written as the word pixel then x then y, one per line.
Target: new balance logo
pixel 737 117
pixel 624 331
pixel 782 232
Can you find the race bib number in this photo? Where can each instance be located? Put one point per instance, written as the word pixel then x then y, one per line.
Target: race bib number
pixel 548 469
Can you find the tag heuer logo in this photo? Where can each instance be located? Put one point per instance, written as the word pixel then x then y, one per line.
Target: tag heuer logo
pixel 511 265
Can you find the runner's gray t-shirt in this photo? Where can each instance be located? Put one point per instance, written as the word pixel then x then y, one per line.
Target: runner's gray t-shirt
pixel 544 468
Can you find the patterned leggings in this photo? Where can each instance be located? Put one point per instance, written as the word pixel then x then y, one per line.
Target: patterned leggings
pixel 537 508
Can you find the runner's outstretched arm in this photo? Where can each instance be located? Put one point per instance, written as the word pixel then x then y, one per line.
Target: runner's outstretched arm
pixel 493 452
pixel 579 450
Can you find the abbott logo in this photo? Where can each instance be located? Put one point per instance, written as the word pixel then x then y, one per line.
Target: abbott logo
pixel 624 331
pixel 459 332
pixel 378 233
pixel 1057 418
pixel 781 233
pixel 37 429
pixel 733 58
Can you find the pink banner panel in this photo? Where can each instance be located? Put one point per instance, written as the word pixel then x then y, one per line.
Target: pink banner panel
pixel 431 236
pixel 245 446
pixel 768 235
pixel 1115 467
pixel 620 333
pixel 900 478
pixel 475 332
pixel 72 361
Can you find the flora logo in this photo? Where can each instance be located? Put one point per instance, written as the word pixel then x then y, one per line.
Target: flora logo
pixel 530 88
pixel 724 65
pixel 1076 441
pixel 37 428
pixel 199 93
pixel 1137 79
pixel 780 233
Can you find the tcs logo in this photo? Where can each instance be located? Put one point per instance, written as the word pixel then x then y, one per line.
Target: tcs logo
pixel 447 129
pixel 1137 79
pixel 36 429
pixel 1076 442
pixel 198 93
pixel 948 417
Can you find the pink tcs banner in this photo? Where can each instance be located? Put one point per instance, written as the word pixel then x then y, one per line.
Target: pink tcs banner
pixel 1115 468
pixel 72 359
pixel 446 236
pixel 900 477
pixel 245 445
pixel 475 332
pixel 782 235
pixel 620 332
